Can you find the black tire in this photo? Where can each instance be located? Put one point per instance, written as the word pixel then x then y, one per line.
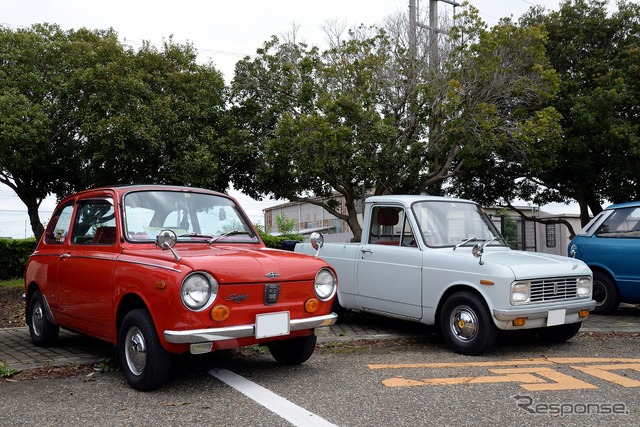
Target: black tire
pixel 605 293
pixel 337 308
pixel 293 351
pixel 466 324
pixel 560 333
pixel 43 332
pixel 144 361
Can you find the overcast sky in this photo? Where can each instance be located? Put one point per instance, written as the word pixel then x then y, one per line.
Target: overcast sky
pixel 222 32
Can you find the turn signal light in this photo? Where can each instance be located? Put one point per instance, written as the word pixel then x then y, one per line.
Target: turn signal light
pixel 311 305
pixel 220 313
pixel 583 313
pixel 520 321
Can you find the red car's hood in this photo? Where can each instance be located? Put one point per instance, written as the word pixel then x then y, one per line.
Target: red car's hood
pixel 240 264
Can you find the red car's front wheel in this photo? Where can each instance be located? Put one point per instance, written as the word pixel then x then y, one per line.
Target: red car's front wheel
pixel 144 361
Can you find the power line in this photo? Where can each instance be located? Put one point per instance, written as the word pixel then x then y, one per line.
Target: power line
pixel 157 45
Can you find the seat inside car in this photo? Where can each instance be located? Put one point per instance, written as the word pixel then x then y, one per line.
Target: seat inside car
pixel 104 236
pixel 382 231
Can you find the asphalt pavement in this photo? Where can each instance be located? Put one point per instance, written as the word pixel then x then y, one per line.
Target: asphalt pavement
pixel 18 352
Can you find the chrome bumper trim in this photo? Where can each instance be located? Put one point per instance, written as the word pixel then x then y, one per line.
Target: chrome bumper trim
pixel 241 331
pixel 541 312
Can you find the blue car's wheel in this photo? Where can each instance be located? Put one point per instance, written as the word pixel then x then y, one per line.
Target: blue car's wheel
pixel 605 293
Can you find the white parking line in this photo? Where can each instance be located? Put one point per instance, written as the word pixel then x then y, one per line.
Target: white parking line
pixel 273 402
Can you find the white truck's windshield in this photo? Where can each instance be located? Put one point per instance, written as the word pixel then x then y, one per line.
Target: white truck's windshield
pixel 445 223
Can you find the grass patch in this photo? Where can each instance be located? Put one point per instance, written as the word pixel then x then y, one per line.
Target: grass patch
pixel 107 364
pixel 6 371
pixel 12 283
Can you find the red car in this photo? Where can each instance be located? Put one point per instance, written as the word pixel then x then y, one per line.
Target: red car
pixel 163 269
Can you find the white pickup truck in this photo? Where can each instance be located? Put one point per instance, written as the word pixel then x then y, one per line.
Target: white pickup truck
pixel 441 261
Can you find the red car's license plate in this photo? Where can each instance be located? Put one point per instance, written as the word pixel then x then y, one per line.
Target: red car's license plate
pixel 272 324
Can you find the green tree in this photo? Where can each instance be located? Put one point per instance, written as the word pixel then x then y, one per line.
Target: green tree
pixel 78 109
pixel 365 117
pixel 285 225
pixel 596 54
pixel 504 85
pixel 37 117
pixel 509 228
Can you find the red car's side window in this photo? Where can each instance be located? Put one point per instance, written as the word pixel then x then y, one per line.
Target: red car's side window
pixel 95 223
pixel 58 229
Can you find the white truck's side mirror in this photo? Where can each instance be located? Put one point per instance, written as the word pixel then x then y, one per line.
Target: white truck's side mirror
pixel 317 240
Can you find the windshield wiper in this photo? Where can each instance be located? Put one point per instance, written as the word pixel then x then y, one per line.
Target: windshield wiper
pixel 196 235
pixel 227 234
pixel 464 242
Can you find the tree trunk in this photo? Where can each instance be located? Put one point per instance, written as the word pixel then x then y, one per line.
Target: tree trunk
pixel 352 219
pixel 34 219
pixel 584 211
pixel 32 203
pixel 594 205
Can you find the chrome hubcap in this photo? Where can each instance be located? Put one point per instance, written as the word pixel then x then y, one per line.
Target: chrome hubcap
pixel 37 319
pixel 135 351
pixel 464 323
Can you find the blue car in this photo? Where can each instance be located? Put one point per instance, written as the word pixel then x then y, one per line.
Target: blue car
pixel 610 246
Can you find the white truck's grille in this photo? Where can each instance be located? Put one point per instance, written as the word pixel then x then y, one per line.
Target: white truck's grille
pixel 555 289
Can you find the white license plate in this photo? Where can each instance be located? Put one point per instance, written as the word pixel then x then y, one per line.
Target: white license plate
pixel 272 324
pixel 556 317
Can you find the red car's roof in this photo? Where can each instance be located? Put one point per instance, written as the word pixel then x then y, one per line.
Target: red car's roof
pixel 120 190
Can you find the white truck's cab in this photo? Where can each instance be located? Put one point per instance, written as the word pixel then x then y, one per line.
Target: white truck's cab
pixel 438 260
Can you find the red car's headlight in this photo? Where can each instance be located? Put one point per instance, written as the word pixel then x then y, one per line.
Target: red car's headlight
pixel 198 290
pixel 325 284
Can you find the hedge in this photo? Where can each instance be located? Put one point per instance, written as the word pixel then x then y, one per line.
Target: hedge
pixel 14 254
pixel 279 242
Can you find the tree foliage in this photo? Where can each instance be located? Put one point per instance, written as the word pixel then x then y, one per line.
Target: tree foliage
pixel 505 84
pixel 596 54
pixel 78 109
pixel 364 116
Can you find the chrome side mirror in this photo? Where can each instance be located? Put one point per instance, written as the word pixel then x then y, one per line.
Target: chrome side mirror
pixel 166 240
pixel 317 241
pixel 477 251
pixel 573 250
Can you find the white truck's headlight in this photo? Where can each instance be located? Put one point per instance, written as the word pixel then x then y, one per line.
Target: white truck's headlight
pixel 585 287
pixel 198 290
pixel 325 284
pixel 520 292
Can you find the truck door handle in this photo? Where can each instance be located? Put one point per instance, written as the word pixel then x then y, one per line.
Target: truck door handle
pixel 65 256
pixel 366 251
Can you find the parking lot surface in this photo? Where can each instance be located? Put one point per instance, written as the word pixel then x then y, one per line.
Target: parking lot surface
pixel 17 351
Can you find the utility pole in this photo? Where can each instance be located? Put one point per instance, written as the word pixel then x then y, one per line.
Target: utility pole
pixel 432 27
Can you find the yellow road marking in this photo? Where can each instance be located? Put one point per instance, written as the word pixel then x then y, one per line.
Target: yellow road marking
pixel 527 373
pixel 516 378
pixel 603 372
pixel 514 362
pixel 524 376
pixel 560 381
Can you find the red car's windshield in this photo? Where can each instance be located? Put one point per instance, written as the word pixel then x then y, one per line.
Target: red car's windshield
pixel 192 216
